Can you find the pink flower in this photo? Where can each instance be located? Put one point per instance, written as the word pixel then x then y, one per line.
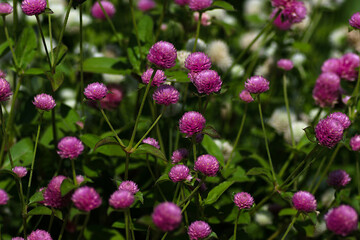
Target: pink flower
pixel 97 12
pixel 208 81
pixel 167 216
pixel 355 143
pixel 205 18
pixel 191 123
pixel 179 155
pixel 179 173
pixel 342 118
pixel 112 98
pixel 182 2
pixel 159 77
pixel 197 5
pixel 280 22
pixel 327 90
pixel 246 96
pixel 257 84
pixel 70 147
pixel 207 165
pixel 329 132
pixel 354 21
pixel 4 198
pixel 129 186
pixel 5 90
pixel 121 199
pixel 20 171
pixel 285 64
pixel 197 62
pixel 331 65
pixel 152 142
pixel 39 235
pixel 243 200
pixel 338 178
pixel 86 199
pixel 5 9
pixel 146 5
pixel 348 66
pixel 44 102
pixel 33 7
pixel 17 238
pixel 163 54
pixel 342 220
pixel 166 95
pixel 95 91
pixel 52 194
pixel 199 230
pixel 80 179
pixel 304 201
pixel 294 11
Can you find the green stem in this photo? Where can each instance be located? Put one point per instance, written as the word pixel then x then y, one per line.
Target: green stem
pixel 50 35
pixel 188 198
pixel 237 137
pixel 176 191
pixel 153 177
pixel 131 225
pixel 317 173
pixel 135 27
pixel 111 127
pixel 290 226
pixel 34 155
pixel 197 31
pixel 164 237
pixel 84 226
pixel 262 202
pixel 43 39
pixel 51 220
pixel 206 104
pixel 5 137
pixel 10 44
pixel 15 19
pixel 126 225
pixel 266 142
pixel 73 171
pixel 53 120
pixel 127 166
pixel 23 205
pixel 236 224
pixel 286 164
pixel 164 7
pixel 288 110
pixel 358 173
pixel 81 57
pixel 64 224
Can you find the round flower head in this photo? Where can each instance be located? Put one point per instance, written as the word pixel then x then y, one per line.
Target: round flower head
pixel 304 201
pixel 208 81
pixel 162 54
pixel 191 123
pixel 179 155
pixel 5 90
pixel 20 171
pixel 44 102
pixel 207 165
pixel 327 90
pixel 98 13
pixel 354 21
pixel 39 235
pixel 179 173
pixel 348 67
pixel 33 7
pixel 197 62
pixel 112 98
pixel 70 147
pixel 331 65
pixel 2 74
pixel 294 11
pixel 152 142
pixel 329 132
pixel 246 96
pixel 280 22
pixel 280 3
pixel 257 84
pixel 338 179
pixel 342 220
pixel 243 200
pixel 342 118
pixel 167 216
pixel 129 186
pixel 285 64
pixel 199 230
pixel 86 199
pixel 4 198
pixel 182 2
pixel 121 199
pixel 79 179
pixel 355 143
pixel 95 91
pixel 159 77
pixel 52 194
pixel 166 95
pixel 197 5
pixel 146 5
pixel 5 9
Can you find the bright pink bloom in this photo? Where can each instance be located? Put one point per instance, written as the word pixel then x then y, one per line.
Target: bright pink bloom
pixel 159 77
pixel 129 186
pixel 5 9
pixel 327 90
pixel 5 90
pixel 342 118
pixel 338 178
pixel 257 84
pixel 205 18
pixel 86 199
pixel 329 132
pixel 44 102
pixel 354 21
pixel 17 238
pixel 208 81
pixel 280 22
pixel 191 123
pixel 197 5
pixel 163 54
pixel 243 200
pixel 146 5
pixel 207 165
pixel 70 147
pixel 152 142
pixel 304 201
pixel 33 7
pixel 39 235
pixel 179 155
pixel 95 91
pixel 182 2
pixel 294 11
pixel 167 216
pixel 348 67
pixel 112 98
pixel 179 173
pixel 197 62
pixel 52 194
pixel 355 143
pixel 79 179
pixel 98 13
pixel 20 171
pixel 246 96
pixel 331 65
pixel 285 64
pixel 199 230
pixel 166 95
pixel 121 199
pixel 342 220
pixel 4 198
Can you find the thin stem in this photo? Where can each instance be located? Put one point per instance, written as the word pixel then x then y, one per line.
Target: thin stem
pixel 23 205
pixel 317 173
pixel 135 27
pixel 291 224
pixel 10 44
pixel 73 171
pixel 164 7
pixel 84 226
pixel 50 35
pixel 131 225
pixel 197 31
pixel 53 121
pixel 266 142
pixel 262 202
pixel 288 110
pixel 206 104
pixel 81 57
pixel 188 198
pixel 127 166
pixel 286 164
pixel 43 39
pixel 237 137
pixel 153 177
pixel 34 155
pixel 15 19
pixel 358 173
pixel 111 127
pixel 176 191
pixel 163 238
pixel 236 224
pixel 126 225
pixel 51 220
pixel 5 137
pixel 64 224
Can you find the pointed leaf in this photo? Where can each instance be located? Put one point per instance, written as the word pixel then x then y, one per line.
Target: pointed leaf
pixel 63 49
pixel 145 29
pixel 212 149
pixel 140 196
pixel 260 171
pixel 106 141
pixel 25 49
pixel 48 11
pixel 106 65
pixel 41 210
pixel 67 186
pixel 217 191
pixel 37 197
pixel 56 79
pixel 163 178
pixel 225 5
pixel 288 212
pixel 177 76
pixel 310 134
pixel 147 148
pixel 210 131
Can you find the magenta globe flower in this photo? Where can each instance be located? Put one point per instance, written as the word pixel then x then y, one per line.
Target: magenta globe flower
pixel 5 9
pixel 243 200
pixel 33 7
pixel 354 21
pixel 329 132
pixel 112 98
pixel 52 194
pixel 285 64
pixel 182 2
pixel 304 201
pixel 166 95
pixel 44 102
pixel 257 84
pixel 280 22
pixel 331 65
pixel 158 79
pixel 20 171
pixel 338 179
pixel 162 54
pixel 197 62
pixel 179 155
pixel 294 11
pixel 167 216
pixel 355 143
pixel 95 91
pixel 246 96
pixel 152 142
pixel 79 179
pixel 121 199
pixel 342 118
pixel 4 198
pixel 280 3
pixel 207 81
pixel 146 5
pixel 98 13
pixel 199 230
pixel 348 66
pixel 197 5
pixel 86 199
pixel 39 235
pixel 207 165
pixel 70 147
pixel 342 220
pixel 129 186
pixel 191 123
pixel 327 90
pixel 179 173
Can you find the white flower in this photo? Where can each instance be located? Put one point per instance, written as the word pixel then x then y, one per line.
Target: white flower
pixel 254 7
pixel 328 197
pixel 237 71
pixel 338 36
pixel 73 24
pixel 298 131
pixel 225 148
pixel 181 56
pixel 218 14
pixel 247 38
pixel 279 120
pixel 218 51
pixel 320 228
pixel 263 218
pixel 113 78
pixel 68 95
pixel 298 59
pixel 354 39
pixel 265 68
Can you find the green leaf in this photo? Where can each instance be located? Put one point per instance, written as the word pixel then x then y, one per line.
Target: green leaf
pixel 163 178
pixel 140 196
pixel 137 227
pixel 288 212
pixel 302 47
pixel 3 47
pixel 310 134
pixel 217 191
pixel 67 186
pixel 6 171
pixel 106 65
pixel 212 149
pixel 63 49
pixel 106 141
pixel 21 152
pixel 96 232
pixel 25 50
pixel 225 5
pixel 313 217
pixel 109 150
pixel 177 76
pixel 37 197
pixel 48 11
pixel 145 29
pixel 260 171
pixel 149 149
pixel 134 60
pixel 34 71
pixel 41 210
pixel 56 79
pixel 210 131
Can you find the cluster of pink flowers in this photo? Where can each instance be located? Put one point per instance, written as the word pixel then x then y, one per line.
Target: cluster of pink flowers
pixel 124 196
pixel 345 67
pixel 342 220
pixel 199 230
pixel 52 194
pixel 255 85
pixel 291 11
pixel 179 155
pixel 5 9
pixel 191 123
pixel 86 199
pixel 243 200
pixel 33 7
pixel 146 5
